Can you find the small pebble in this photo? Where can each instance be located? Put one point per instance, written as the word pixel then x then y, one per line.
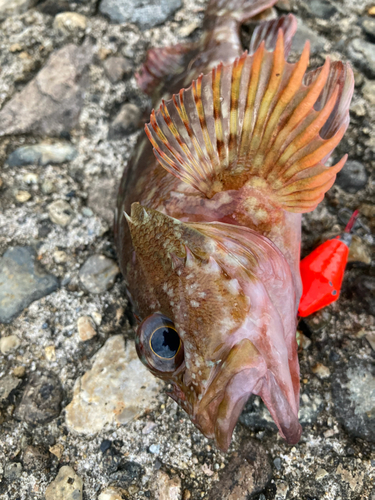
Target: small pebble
pixel 86 328
pixel 116 68
pixel 60 212
pixel 19 371
pixel 87 212
pixel 166 488
pixel 133 489
pixel 68 23
pixel 125 122
pixel 50 353
pixel 148 427
pixel 9 344
pixel 282 489
pixel 35 458
pixel 303 341
pixel 23 196
pixel 7 385
pixel 66 486
pixel 60 257
pixel 154 449
pixel 320 473
pixel 48 187
pixel 207 471
pixel 321 371
pixel 14 7
pixel 30 178
pixel 359 251
pixel 53 7
pixel 145 15
pixel 189 28
pixel 277 463
pixel 321 9
pixel 15 47
pixel 103 53
pixel 368 26
pixel 41 400
pixel 57 450
pixel 97 317
pixel 98 273
pixel 246 474
pixel 284 5
pixel 12 471
pixel 110 494
pixel 358 108
pixel 42 154
pixel 371 11
pixel 105 445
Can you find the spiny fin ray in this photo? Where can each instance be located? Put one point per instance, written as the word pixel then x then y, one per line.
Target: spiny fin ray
pixel 258 117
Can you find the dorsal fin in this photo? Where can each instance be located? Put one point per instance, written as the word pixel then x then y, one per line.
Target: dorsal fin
pixel 257 117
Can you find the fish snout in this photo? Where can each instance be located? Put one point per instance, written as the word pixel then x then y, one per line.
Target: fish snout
pixel 243 373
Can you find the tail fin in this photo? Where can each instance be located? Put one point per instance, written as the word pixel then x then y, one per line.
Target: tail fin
pixel 259 117
pixel 241 10
pixel 268 31
pixel 163 63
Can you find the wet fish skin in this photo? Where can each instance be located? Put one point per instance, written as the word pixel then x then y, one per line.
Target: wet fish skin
pixel 212 251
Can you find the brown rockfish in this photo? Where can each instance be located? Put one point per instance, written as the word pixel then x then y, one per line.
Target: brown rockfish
pixel 208 216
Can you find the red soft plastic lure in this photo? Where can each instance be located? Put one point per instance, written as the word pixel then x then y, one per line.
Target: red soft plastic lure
pixel 323 270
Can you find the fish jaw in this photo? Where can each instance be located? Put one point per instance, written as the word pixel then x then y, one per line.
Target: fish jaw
pixel 243 373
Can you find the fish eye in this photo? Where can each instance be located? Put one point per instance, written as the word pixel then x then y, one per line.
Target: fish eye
pixel 165 342
pixel 158 344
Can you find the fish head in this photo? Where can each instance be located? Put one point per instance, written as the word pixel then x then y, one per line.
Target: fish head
pixel 204 314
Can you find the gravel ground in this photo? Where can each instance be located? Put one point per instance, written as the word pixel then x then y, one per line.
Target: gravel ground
pixel 79 418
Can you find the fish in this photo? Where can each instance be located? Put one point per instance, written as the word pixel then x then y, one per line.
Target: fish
pixel 208 215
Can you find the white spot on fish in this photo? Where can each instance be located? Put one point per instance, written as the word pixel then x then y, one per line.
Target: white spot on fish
pixel 194 303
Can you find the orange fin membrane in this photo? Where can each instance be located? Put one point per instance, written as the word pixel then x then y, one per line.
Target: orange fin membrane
pixel 259 117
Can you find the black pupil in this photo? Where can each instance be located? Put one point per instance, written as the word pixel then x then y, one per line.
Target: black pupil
pixel 165 342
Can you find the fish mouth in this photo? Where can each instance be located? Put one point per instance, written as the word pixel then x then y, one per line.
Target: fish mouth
pixel 243 374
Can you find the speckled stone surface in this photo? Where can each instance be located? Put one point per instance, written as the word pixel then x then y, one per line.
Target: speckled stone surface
pixel 118 388
pixel 158 453
pixel 21 282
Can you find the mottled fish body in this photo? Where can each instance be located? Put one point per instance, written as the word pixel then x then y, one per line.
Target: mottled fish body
pixel 209 211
